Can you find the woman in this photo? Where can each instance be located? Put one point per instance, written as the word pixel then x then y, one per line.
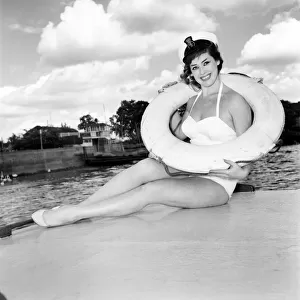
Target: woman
pixel 217 114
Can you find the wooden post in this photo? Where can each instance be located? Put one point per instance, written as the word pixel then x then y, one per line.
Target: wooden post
pixel 41 139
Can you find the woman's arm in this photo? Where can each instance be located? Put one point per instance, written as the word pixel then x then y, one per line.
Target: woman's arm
pixel 175 126
pixel 240 112
pixel 176 121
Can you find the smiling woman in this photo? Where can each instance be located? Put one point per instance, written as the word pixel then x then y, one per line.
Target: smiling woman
pixel 215 115
pixel 216 129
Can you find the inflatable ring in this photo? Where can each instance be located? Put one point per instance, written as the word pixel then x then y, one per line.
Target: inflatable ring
pixel 257 141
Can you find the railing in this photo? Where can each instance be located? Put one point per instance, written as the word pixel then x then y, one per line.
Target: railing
pixel 86 134
pixel 104 134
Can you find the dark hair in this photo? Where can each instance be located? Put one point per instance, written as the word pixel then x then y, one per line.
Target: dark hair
pixel 201 46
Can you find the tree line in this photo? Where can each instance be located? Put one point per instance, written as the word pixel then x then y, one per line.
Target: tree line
pixel 44 137
pixel 125 123
pixel 127 120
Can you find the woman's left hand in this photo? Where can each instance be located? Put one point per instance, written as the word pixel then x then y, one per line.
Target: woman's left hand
pixel 233 172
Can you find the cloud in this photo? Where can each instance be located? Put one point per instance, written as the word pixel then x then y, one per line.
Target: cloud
pixel 148 90
pixel 139 16
pixel 70 92
pixel 275 56
pixel 285 83
pixel 279 47
pixel 77 85
pixel 86 32
pixel 131 28
pixel 25 29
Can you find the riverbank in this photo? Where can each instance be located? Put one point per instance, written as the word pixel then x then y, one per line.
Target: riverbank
pixel 39 161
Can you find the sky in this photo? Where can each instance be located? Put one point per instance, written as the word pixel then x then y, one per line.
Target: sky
pixel 62 59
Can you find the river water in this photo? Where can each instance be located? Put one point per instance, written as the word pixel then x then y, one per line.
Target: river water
pixel 24 195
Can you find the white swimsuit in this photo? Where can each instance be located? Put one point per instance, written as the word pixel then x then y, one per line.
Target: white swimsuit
pixel 210 131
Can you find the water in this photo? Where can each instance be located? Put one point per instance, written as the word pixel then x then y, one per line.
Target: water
pixel 29 193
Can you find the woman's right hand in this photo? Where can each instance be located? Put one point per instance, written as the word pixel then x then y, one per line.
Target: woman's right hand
pixel 166 86
pixel 233 172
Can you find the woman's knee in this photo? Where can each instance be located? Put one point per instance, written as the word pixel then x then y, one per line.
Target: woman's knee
pixel 206 195
pixel 148 166
pixel 148 162
pixel 217 196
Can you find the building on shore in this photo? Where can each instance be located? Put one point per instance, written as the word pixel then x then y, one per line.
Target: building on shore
pixel 96 136
pixel 100 145
pixel 99 139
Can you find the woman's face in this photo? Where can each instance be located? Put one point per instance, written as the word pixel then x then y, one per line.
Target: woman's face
pixel 204 68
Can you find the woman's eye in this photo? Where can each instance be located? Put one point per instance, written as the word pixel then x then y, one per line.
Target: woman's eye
pixel 194 68
pixel 206 63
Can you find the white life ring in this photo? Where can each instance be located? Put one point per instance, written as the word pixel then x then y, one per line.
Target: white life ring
pixel 258 140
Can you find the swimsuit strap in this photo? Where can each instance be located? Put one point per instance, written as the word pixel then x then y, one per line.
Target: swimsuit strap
pixel 199 94
pixel 218 100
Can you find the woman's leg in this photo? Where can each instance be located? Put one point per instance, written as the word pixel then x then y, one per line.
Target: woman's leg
pixel 142 172
pixel 190 192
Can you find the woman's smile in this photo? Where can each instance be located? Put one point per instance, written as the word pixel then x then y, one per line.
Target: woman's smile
pixel 206 77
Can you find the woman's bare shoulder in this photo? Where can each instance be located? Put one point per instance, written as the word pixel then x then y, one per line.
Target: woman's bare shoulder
pixel 191 102
pixel 235 100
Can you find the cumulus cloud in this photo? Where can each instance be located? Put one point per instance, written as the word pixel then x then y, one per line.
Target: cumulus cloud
pixel 284 83
pixel 151 15
pixel 77 85
pixel 86 32
pixel 130 28
pixel 70 92
pixel 148 90
pixel 275 56
pixel 278 47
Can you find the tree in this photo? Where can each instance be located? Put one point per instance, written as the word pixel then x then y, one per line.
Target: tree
pixel 15 141
pixel 50 138
pixel 50 135
pixel 127 120
pixel 290 114
pixel 290 134
pixel 87 121
pixel 64 125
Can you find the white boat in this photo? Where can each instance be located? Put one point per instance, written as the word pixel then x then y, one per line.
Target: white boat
pixel 247 249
